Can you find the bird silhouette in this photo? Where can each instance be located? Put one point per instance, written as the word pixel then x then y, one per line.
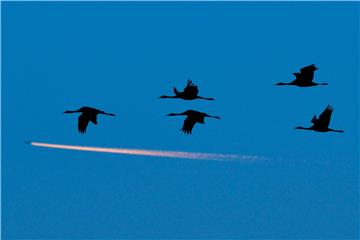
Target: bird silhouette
pixel 321 123
pixel 87 114
pixel 190 92
pixel 192 118
pixel 304 78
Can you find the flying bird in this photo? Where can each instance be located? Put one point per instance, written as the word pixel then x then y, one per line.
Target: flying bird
pixel 192 118
pixel 190 92
pixel 87 114
pixel 304 78
pixel 321 123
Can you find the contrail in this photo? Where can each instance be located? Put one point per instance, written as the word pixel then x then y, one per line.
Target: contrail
pixel 152 153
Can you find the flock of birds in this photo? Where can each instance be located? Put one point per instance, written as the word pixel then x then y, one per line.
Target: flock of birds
pixel 304 78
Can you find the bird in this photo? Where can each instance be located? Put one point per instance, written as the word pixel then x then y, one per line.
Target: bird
pixel 190 92
pixel 192 118
pixel 304 78
pixel 321 123
pixel 87 114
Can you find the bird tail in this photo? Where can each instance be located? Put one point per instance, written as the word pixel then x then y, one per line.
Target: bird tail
pixel 109 114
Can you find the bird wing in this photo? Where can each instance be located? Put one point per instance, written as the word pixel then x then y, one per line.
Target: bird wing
pixel 309 68
pixel 83 121
pixel 176 91
pixel 297 75
pixel 191 88
pixel 315 119
pixel 189 123
pixel 325 116
pixel 93 118
pixel 307 73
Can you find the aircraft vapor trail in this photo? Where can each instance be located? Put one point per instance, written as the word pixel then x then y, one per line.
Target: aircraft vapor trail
pixel 153 153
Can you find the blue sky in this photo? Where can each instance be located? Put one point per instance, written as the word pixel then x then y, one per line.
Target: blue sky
pixel 120 57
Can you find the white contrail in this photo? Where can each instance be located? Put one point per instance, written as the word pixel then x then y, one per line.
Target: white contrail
pixel 153 153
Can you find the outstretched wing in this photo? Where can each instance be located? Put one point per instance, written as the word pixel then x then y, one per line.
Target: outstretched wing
pixel 83 122
pixel 307 73
pixel 93 118
pixel 191 88
pixel 189 123
pixel 315 120
pixel 310 68
pixel 325 116
pixel 176 91
pixel 297 75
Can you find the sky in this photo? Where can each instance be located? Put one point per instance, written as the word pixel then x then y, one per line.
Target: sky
pixel 120 57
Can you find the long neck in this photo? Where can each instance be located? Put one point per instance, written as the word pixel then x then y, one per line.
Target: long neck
pixel 211 99
pixel 164 96
pixel 282 84
pixel 304 128
pixel 176 114
pixel 322 84
pixel 71 111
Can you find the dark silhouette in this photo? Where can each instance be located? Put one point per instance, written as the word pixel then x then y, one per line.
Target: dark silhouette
pixel 87 114
pixel 304 78
pixel 190 93
pixel 321 123
pixel 192 118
